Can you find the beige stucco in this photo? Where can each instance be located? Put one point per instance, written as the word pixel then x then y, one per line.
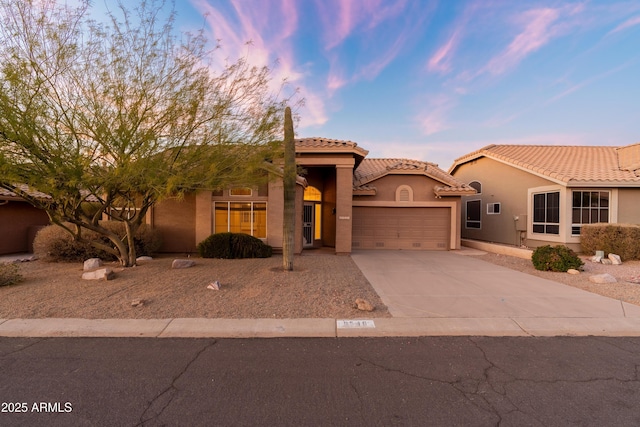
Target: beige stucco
pixel 514 188
pixel 175 219
pixel 19 222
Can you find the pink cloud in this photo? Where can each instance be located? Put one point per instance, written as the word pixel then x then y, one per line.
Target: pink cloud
pixel 631 22
pixel 537 32
pixel 441 60
pixel 434 118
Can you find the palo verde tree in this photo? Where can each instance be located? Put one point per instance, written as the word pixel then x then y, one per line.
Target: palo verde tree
pixel 122 114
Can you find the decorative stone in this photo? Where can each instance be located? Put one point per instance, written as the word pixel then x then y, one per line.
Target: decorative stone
pixel 137 303
pixel 214 286
pixel 596 259
pixel 602 278
pixel 573 271
pixel 606 261
pixel 615 259
pixel 363 305
pixel 182 263
pixel 144 259
pixel 92 264
pixel 100 274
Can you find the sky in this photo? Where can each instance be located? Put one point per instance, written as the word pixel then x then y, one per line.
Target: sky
pixel 434 80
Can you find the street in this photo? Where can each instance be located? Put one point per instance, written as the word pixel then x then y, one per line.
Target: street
pixel 468 381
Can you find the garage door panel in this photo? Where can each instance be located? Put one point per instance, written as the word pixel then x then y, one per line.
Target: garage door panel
pixel 401 228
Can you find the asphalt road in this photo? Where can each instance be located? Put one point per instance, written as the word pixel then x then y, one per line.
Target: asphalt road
pixel 468 381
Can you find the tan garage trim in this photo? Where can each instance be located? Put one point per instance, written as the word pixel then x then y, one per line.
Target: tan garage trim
pixel 409 228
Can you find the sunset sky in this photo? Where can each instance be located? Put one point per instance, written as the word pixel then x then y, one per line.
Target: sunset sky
pixel 434 80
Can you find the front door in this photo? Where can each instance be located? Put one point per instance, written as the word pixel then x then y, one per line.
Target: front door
pixel 308 224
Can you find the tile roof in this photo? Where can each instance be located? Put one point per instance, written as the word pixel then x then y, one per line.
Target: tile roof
pixel 575 165
pixel 371 169
pixel 5 193
pixel 328 145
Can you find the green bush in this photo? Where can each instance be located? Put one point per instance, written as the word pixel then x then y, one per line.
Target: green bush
pixel 555 258
pixel 233 245
pixel 9 274
pixel 55 244
pixel 619 239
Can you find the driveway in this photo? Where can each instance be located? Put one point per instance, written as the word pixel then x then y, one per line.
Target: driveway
pixel 434 284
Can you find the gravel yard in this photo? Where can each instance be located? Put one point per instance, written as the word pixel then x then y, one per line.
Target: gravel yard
pixel 322 286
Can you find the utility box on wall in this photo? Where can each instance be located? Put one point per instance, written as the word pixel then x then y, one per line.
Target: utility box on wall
pixel 521 222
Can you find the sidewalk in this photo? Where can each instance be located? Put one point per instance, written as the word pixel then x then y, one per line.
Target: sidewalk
pixel 319 328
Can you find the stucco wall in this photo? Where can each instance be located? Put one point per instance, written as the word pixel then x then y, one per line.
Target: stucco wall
pixel 19 222
pixel 176 221
pixel 629 205
pixel 386 187
pixel 502 184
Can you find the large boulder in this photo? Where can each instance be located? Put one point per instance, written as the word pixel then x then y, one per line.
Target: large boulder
pixel 182 263
pixel 100 274
pixel 92 264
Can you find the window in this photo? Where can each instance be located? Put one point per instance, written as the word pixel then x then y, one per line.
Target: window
pixel 246 217
pixel 589 207
pixel 473 214
pixel 241 191
pixel 546 213
pixel 476 186
pixel 493 208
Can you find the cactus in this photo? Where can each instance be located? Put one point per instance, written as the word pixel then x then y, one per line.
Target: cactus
pixel 289 183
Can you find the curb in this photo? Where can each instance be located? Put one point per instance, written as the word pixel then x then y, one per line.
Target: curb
pixel 319 328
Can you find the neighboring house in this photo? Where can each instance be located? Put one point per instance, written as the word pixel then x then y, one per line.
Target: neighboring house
pixel 344 201
pixel 536 195
pixel 19 222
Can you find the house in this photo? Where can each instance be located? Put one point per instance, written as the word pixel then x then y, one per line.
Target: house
pixel 536 195
pixel 344 201
pixel 19 222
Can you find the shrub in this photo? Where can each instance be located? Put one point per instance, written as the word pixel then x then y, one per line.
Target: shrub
pixel 555 258
pixel 233 245
pixel 620 239
pixel 9 274
pixel 55 244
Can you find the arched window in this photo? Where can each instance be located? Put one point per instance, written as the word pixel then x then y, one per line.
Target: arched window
pixel 477 186
pixel 312 194
pixel 404 193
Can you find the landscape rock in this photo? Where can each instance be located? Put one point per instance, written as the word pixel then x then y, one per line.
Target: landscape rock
pixel 363 305
pixel 606 261
pixel 602 278
pixel 596 259
pixel 214 285
pixel 92 264
pixel 100 274
pixel 137 303
pixel 144 259
pixel 615 259
pixel 182 263
pixel 573 271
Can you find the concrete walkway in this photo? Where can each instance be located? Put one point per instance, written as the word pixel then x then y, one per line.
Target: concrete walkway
pixel 428 294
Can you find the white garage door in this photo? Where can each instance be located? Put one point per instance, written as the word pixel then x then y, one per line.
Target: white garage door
pixel 401 228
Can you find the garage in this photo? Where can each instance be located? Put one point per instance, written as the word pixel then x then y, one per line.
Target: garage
pixel 413 228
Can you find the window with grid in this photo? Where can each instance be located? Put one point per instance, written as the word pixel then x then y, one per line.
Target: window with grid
pixel 589 207
pixel 473 214
pixel 546 213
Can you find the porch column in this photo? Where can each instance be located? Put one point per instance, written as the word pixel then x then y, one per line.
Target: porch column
pixel 344 200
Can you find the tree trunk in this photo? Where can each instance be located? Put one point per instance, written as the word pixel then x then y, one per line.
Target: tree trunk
pixel 289 183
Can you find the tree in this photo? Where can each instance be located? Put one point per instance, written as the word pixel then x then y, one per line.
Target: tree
pixel 289 184
pixel 122 115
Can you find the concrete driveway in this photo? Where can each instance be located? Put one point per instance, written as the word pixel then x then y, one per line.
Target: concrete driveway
pixel 418 284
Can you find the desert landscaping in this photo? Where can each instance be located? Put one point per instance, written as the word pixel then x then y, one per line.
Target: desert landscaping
pixel 321 286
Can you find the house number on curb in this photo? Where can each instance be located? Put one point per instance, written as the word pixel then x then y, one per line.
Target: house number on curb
pixel 346 324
